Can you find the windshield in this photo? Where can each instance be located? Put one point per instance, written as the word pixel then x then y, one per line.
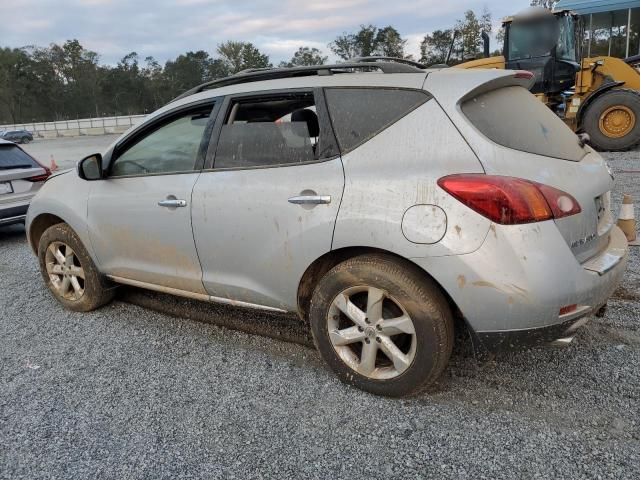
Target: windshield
pixel 533 39
pixel 566 47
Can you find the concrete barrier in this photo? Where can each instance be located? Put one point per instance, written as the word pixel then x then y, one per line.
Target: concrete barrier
pixel 75 128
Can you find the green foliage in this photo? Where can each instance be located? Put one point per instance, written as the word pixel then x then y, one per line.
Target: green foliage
pixel 305 56
pixel 238 56
pixel 468 44
pixel 434 48
pixel 66 81
pixel 369 41
pixel 548 4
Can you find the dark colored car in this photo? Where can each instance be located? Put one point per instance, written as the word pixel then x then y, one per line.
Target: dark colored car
pixel 17 136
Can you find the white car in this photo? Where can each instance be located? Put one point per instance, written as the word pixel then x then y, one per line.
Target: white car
pixel 387 204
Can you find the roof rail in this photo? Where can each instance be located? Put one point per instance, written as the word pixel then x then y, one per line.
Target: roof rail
pixel 259 74
pixel 403 61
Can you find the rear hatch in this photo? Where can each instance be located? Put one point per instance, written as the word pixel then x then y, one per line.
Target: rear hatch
pixel 19 174
pixel 515 134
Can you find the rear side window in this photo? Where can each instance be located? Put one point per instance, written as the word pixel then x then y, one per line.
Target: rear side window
pixel 12 157
pixel 514 118
pixel 358 114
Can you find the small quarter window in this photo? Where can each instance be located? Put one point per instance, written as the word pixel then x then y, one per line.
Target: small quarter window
pixel 172 147
pixel 358 114
pixel 277 130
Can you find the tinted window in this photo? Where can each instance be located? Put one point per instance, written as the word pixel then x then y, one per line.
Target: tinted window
pixel 358 114
pixel 516 119
pixel 277 130
pixel 12 157
pixel 173 147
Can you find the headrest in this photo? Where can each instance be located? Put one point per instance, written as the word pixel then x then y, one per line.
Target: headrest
pixel 310 117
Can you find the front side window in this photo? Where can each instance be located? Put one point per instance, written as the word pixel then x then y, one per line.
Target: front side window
pixel 274 130
pixel 172 147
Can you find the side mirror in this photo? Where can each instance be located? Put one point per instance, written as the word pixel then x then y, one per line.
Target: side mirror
pixel 90 168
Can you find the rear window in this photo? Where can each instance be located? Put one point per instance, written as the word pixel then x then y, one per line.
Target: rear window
pixel 12 157
pixel 358 114
pixel 514 118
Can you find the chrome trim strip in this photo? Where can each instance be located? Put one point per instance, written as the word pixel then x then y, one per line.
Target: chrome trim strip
pixel 310 199
pixel 238 303
pixel 194 295
pixel 159 288
pixel 10 220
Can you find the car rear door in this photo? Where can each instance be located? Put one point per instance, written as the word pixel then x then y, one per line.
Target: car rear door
pixel 266 208
pixel 139 217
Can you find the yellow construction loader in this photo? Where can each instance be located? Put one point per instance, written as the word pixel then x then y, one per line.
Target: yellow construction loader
pixel 599 96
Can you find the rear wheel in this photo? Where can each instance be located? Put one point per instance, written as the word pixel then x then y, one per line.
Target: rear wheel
pixel 26 139
pixel 69 272
pixel 613 120
pixel 382 325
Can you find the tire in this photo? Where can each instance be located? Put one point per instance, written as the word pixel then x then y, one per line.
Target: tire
pixel 622 136
pixel 25 140
pixel 406 292
pixel 94 290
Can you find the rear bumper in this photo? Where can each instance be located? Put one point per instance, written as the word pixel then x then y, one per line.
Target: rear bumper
pixel 517 339
pixel 13 213
pixel 511 290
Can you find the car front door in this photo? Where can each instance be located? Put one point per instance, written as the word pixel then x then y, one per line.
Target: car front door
pixel 267 208
pixel 139 217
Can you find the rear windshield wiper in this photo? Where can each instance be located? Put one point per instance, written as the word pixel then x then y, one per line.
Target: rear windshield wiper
pixel 10 167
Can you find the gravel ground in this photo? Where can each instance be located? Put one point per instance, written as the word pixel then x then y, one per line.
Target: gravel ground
pixel 132 392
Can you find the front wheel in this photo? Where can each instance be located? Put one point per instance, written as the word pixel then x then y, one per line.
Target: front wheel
pixel 382 325
pixel 613 120
pixel 26 140
pixel 69 272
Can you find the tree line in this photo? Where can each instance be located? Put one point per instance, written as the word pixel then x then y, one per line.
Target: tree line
pixel 62 82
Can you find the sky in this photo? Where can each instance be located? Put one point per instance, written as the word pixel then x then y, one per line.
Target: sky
pixel 166 28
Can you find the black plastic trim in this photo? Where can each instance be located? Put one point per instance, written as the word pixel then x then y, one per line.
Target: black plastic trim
pixel 519 339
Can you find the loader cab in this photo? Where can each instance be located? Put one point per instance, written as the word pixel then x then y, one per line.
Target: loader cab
pixel 546 44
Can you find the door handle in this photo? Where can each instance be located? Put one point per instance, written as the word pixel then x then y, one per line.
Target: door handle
pixel 310 199
pixel 172 203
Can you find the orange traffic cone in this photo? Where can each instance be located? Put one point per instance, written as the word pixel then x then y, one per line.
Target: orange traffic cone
pixel 627 220
pixel 54 165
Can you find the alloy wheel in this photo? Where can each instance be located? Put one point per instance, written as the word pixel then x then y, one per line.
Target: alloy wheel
pixel 65 271
pixel 371 332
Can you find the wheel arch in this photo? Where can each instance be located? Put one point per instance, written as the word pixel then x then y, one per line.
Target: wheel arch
pixel 326 262
pixel 37 227
pixel 605 87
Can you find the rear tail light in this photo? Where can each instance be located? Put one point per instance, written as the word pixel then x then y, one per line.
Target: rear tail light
pixel 524 74
pixel 510 200
pixel 568 309
pixel 40 178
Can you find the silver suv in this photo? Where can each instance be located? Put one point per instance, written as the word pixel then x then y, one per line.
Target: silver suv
pixel 386 204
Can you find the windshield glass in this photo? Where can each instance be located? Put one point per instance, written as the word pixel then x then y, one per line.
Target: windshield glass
pixel 566 48
pixel 532 39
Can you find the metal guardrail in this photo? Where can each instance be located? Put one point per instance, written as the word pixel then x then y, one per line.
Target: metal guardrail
pixel 37 128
